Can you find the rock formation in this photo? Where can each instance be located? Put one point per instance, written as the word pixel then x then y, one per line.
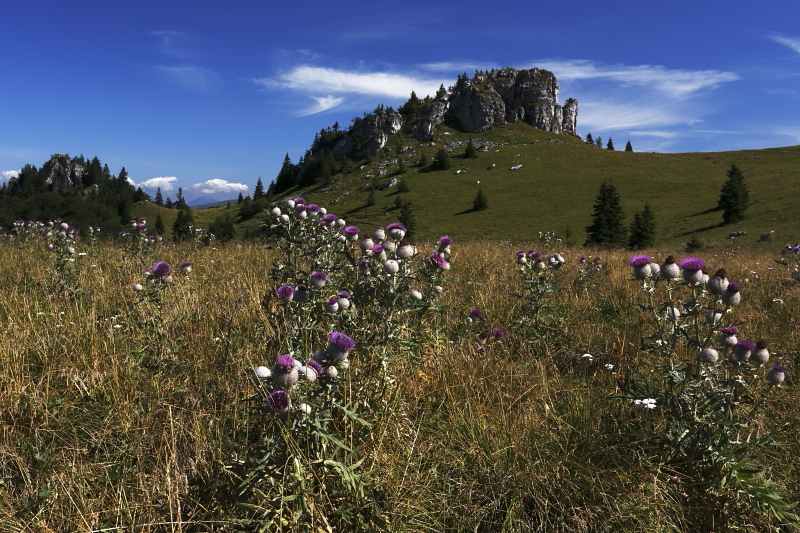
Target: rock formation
pixel 472 105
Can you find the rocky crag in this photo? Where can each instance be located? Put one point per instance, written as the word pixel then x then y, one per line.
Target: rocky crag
pixel 472 105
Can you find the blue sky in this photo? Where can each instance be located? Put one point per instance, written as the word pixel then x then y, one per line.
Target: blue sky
pixel 210 96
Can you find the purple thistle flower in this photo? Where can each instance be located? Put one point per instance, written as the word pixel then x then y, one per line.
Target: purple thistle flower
pixel 437 260
pixel 444 240
pixel 692 263
pixel 377 249
pixel 475 313
pixel 329 217
pixel 285 293
pixel 185 264
pixel 640 260
pixel 363 264
pixel 730 330
pixel 733 287
pixel 316 366
pixel 278 401
pixel 121 233
pixel 161 269
pixel 396 225
pixel 319 275
pixel 343 294
pixel 534 255
pixel 779 368
pixel 351 230
pixel 313 208
pixel 747 345
pixel 521 253
pixel 498 334
pixel 298 200
pixel 285 362
pixel 299 207
pixel 341 340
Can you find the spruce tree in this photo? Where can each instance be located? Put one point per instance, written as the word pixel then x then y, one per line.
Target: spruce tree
pixel 480 202
pixel 599 142
pixel 159 227
pixel 159 198
pixel 401 167
pixel 408 219
pixel 589 138
pixel 643 229
pixel 470 151
pixel 610 144
pixel 441 160
pixel 259 190
pixel 734 198
pixel 607 219
pixel 240 199
pixel 402 186
pixel 629 147
pixel 182 227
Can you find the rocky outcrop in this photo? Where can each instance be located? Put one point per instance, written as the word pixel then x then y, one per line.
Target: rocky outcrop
pixel 61 173
pixel 422 125
pixel 510 95
pixel 367 135
pixel 473 105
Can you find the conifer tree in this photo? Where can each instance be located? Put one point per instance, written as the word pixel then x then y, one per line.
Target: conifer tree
pixel 182 227
pixel 610 144
pixel 240 199
pixel 480 202
pixel 599 142
pixel 259 190
pixel 159 227
pixel 589 138
pixel 607 219
pixel 643 229
pixel 423 160
pixel 734 198
pixel 441 160
pixel 408 219
pixel 629 147
pixel 159 198
pixel 470 151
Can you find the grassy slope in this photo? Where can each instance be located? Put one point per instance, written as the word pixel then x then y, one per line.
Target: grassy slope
pixel 557 184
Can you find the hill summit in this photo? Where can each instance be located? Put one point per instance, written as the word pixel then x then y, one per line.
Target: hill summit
pixel 472 105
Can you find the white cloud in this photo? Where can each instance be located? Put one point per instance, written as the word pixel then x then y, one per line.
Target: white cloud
pixel 319 80
pixel 794 133
pixel 617 115
pixel 192 77
pixel 7 175
pixel 217 186
pixel 675 83
pixel 791 42
pixel 459 66
pixel 323 104
pixel 165 183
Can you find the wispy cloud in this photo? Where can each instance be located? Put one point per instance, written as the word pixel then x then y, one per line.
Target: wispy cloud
pixel 458 66
pixel 321 80
pixel 193 78
pixel 322 104
pixel 218 186
pixel 791 42
pixel 7 175
pixel 792 132
pixel 164 183
pixel 170 43
pixel 631 114
pixel 675 83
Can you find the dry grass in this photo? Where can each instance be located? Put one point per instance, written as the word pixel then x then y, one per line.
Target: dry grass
pixel 102 430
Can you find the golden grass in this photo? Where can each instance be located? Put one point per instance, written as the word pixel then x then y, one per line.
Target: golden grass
pixel 101 431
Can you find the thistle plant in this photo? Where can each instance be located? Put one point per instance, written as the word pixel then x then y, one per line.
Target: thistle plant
pixel 703 388
pixel 305 469
pixel 150 315
pixel 790 258
pixel 137 241
pixel 25 233
pixel 539 280
pixel 61 241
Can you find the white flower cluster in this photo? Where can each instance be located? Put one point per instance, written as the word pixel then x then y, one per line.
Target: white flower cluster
pixel 647 403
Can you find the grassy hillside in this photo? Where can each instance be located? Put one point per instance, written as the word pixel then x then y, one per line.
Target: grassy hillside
pixel 557 184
